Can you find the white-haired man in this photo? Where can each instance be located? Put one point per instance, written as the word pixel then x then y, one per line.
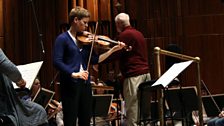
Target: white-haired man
pixel 133 65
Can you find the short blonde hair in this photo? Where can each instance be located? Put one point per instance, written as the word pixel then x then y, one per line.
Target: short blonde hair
pixel 78 12
pixel 123 18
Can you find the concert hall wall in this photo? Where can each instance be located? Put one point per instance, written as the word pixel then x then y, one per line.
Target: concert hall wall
pixel 195 25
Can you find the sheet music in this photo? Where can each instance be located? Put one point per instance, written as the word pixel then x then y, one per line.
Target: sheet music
pixel 172 73
pixel 29 73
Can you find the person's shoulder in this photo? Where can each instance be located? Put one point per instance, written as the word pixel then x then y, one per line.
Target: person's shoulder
pixel 135 31
pixel 132 29
pixel 130 32
pixel 63 36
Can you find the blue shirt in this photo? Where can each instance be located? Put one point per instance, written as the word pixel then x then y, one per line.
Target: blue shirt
pixel 67 56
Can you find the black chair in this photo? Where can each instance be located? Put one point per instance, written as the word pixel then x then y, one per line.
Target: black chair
pixel 5 121
pixel 148 108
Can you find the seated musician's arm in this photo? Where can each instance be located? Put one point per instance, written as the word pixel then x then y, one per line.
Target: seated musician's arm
pixel 9 69
pixel 221 114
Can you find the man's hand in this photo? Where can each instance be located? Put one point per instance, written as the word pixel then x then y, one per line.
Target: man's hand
pixel 21 83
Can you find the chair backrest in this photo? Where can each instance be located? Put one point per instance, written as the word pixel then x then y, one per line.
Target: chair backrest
pixel 54 107
pixel 101 104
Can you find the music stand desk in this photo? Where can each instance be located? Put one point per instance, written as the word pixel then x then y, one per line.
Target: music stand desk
pixel 209 105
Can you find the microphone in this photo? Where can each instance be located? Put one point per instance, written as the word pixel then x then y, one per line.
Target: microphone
pixel 41 43
pixel 37 26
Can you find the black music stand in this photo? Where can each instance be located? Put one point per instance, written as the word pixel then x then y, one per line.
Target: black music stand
pixel 160 84
pixel 181 102
pixel 209 105
pixel 148 107
pixel 43 97
pixel 101 105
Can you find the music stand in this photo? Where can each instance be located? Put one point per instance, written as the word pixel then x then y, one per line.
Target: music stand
pixel 29 72
pixel 209 105
pixel 101 105
pixel 181 102
pixel 43 97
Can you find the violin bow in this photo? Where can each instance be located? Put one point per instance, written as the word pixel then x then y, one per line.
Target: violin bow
pixel 91 51
pixel 209 93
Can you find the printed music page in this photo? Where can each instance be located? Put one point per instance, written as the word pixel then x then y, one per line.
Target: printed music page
pixel 29 72
pixel 172 73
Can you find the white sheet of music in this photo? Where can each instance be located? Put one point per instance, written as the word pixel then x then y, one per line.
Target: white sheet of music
pixel 172 73
pixel 29 72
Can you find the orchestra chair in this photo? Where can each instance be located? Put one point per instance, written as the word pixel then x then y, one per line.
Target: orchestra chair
pixel 107 108
pixel 148 110
pixel 53 108
pixel 148 104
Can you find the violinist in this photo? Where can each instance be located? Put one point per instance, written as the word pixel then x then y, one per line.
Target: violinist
pixel 71 58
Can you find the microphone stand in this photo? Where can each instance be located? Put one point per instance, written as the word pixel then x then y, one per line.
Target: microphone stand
pixel 40 35
pixel 53 80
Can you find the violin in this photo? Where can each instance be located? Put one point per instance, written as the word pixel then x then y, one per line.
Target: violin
pixel 104 41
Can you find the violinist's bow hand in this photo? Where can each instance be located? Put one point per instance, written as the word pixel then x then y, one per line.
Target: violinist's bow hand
pixel 82 75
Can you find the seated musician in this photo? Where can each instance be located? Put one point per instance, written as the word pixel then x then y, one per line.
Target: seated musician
pixel 53 107
pixel 15 111
pixel 217 121
pixel 27 94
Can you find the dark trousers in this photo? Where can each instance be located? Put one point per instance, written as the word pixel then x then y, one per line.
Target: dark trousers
pixel 217 121
pixel 76 103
